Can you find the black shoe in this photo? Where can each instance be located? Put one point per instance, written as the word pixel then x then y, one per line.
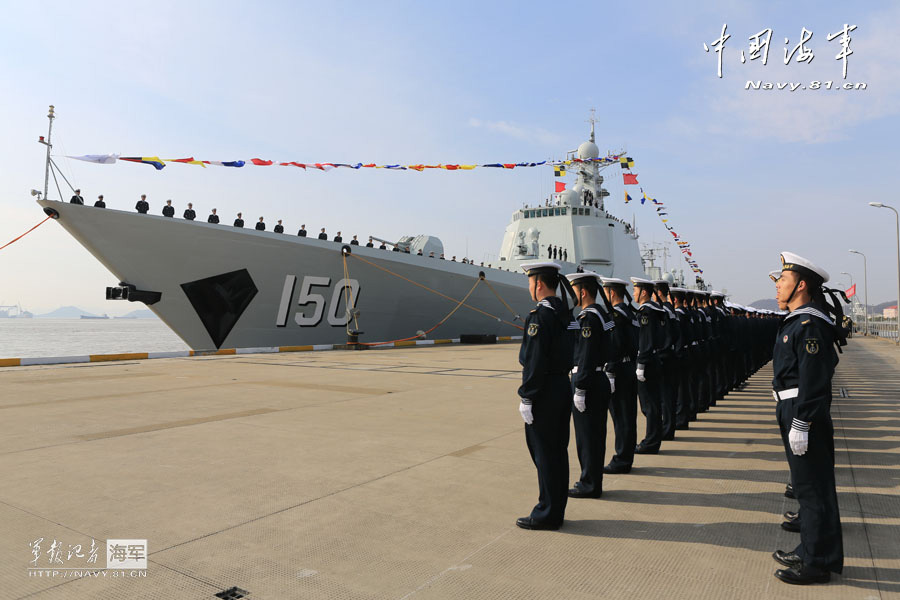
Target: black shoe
pixel 529 523
pixel 792 526
pixel 791 515
pixel 645 450
pixel 577 492
pixel 789 492
pixel 788 559
pixel 802 576
pixel 682 427
pixel 612 469
pixel 669 437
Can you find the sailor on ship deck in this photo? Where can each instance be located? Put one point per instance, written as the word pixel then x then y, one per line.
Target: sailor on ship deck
pixel 213 217
pixel 142 205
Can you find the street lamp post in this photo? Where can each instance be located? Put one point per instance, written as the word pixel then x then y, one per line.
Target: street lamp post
pixel 897 219
pixel 865 286
pixel 850 275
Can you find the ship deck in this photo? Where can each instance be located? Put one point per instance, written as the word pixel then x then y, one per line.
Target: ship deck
pixel 400 473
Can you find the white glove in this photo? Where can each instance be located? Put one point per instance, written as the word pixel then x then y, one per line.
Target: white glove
pixel 799 441
pixel 579 400
pixel 612 383
pixel 640 373
pixel 525 410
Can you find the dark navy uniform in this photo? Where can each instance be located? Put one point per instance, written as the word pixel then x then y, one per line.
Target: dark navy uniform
pixel 77 199
pixel 804 359
pixel 260 226
pixel 278 229
pixel 546 358
pixel 592 350
pixel 190 214
pixel 99 203
pixel 238 222
pixel 684 368
pixel 168 210
pixel 623 405
pixel 212 219
pixel 669 369
pixel 650 339
pixel 142 206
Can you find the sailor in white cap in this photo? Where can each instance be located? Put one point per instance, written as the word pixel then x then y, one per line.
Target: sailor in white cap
pixel 650 341
pixel 623 405
pixel 668 367
pixel 593 349
pixel 684 361
pixel 545 394
pixel 708 376
pixel 804 359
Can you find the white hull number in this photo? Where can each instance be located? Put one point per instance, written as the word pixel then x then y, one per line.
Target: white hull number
pixel 314 304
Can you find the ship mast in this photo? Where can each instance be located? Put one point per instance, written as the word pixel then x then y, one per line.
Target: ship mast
pixel 47 143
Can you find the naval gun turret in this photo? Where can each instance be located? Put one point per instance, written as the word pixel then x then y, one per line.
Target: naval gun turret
pixel 412 244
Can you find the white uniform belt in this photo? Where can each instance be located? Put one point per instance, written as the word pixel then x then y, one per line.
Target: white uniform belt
pixel 575 369
pixel 785 394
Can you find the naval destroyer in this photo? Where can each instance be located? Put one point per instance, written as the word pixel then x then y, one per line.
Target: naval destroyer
pixel 218 286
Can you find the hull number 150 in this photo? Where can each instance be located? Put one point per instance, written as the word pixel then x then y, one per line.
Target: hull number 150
pixel 314 303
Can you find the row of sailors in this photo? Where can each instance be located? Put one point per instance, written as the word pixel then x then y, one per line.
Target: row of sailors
pixel 679 351
pixel 168 210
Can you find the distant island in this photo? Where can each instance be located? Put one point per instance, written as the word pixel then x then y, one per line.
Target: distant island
pixel 73 312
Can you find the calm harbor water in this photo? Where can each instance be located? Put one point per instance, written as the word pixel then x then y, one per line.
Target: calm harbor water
pixel 29 338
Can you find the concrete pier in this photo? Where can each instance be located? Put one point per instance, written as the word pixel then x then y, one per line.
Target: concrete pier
pixel 399 474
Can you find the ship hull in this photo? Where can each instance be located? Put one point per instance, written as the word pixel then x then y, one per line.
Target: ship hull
pixel 223 287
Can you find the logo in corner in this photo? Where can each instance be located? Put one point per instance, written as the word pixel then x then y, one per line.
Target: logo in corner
pixel 812 346
pixel 532 329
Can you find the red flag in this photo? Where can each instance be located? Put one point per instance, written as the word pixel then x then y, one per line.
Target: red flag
pixel 630 178
pixel 852 291
pixel 560 186
pixel 260 162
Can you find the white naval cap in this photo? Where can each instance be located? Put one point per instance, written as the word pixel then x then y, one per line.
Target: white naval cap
pixel 607 281
pixel 537 268
pixel 715 294
pixel 574 278
pixel 640 281
pixel 774 275
pixel 795 262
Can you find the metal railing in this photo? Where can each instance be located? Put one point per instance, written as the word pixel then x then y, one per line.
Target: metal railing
pixel 885 329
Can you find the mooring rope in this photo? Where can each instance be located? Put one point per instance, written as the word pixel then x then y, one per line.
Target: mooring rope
pixel 459 303
pixel 24 234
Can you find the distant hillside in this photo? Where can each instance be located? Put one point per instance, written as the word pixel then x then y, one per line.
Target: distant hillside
pixel 767 304
pixel 770 304
pixel 141 313
pixel 65 312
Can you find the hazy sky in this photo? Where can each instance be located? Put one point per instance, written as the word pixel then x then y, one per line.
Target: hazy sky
pixel 745 173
